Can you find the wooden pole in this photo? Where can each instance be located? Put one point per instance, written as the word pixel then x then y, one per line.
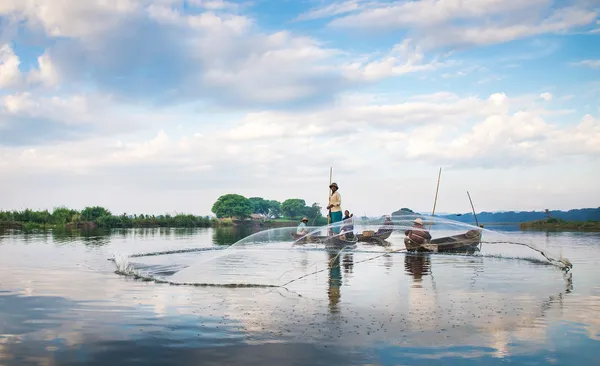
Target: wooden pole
pixel 329 196
pixel 436 194
pixel 473 208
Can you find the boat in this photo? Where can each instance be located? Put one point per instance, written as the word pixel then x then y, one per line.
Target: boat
pixel 304 239
pixel 460 243
pixel 374 237
pixel 339 242
pixel 329 241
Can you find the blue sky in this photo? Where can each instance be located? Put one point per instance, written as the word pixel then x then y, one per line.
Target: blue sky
pixel 163 105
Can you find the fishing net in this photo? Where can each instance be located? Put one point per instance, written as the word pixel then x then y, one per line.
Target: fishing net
pixel 279 257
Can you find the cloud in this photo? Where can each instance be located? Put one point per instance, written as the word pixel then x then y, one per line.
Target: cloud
pixel 546 96
pixel 12 78
pixel 403 58
pixel 438 128
pixel 281 152
pixel 443 22
pixel 153 52
pixel 507 140
pixel 336 8
pixel 27 118
pixel 595 64
pixel 10 75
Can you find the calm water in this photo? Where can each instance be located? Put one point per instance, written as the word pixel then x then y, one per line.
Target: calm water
pixel 61 303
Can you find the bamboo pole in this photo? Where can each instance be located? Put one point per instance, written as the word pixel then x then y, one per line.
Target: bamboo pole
pixel 436 194
pixel 473 208
pixel 329 197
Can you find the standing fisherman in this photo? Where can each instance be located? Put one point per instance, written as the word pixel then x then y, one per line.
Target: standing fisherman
pixel 335 207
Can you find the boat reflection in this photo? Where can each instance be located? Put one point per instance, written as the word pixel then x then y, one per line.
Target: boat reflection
pixel 417 265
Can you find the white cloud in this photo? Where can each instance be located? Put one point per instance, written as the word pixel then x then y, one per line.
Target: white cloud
pixel 332 9
pixel 403 58
pixel 546 96
pixel 10 75
pixel 215 4
pixel 283 152
pixel 589 63
pixel 434 22
pixel 71 18
pixel 46 74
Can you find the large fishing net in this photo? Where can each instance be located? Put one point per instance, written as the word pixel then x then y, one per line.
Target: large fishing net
pixel 281 256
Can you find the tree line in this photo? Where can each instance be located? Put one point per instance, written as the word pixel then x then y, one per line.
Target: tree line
pixel 99 216
pixel 240 207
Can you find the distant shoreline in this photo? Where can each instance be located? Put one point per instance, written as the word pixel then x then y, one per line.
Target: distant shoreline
pixel 559 225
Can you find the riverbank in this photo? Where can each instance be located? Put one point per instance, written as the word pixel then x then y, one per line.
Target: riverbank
pixel 117 222
pixel 559 225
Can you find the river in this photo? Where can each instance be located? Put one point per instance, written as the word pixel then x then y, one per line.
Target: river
pixel 61 303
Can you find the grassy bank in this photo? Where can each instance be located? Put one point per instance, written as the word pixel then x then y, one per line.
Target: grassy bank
pixel 99 217
pixel 561 225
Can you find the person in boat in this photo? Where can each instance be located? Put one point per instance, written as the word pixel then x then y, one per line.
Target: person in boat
pixel 418 234
pixel 335 207
pixel 348 228
pixel 301 229
pixel 388 226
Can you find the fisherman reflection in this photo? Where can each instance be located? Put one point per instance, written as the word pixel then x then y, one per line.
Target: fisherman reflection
pixel 348 263
pixel 335 281
pixel 417 265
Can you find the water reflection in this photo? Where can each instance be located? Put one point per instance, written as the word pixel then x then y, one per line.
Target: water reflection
pixel 417 265
pixel 513 313
pixel 348 260
pixel 335 281
pixel 231 235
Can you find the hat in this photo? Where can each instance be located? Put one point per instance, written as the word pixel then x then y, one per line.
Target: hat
pixel 334 185
pixel 304 219
pixel 418 221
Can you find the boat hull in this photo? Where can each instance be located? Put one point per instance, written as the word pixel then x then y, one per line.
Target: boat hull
pixel 377 238
pixel 305 239
pixel 335 242
pixel 461 243
pixel 338 242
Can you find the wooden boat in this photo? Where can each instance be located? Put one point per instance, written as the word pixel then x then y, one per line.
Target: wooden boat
pixel 328 241
pixel 339 242
pixel 303 239
pixel 374 237
pixel 460 243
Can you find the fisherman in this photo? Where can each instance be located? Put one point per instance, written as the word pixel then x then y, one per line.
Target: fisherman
pixel 418 234
pixel 335 207
pixel 388 226
pixel 348 228
pixel 301 230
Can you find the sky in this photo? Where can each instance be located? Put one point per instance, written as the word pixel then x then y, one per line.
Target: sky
pixel 161 106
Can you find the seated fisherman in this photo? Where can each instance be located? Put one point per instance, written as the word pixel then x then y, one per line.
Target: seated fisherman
pixel 348 228
pixel 419 234
pixel 301 230
pixel 388 226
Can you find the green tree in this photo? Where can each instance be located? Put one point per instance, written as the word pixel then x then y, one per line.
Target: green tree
pixel 274 209
pixel 293 207
pixel 62 215
pixel 229 205
pixel 94 213
pixel 259 205
pixel 313 211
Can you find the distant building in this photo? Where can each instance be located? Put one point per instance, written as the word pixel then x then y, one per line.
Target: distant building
pixel 258 217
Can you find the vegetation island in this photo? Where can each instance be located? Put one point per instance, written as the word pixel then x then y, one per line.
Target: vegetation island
pixel 229 209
